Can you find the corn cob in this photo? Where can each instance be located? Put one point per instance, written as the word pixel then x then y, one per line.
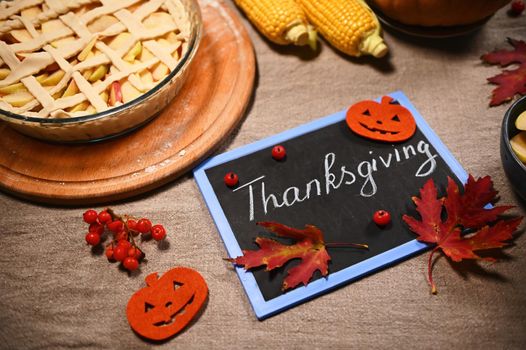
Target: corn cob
pixel 349 25
pixel 281 21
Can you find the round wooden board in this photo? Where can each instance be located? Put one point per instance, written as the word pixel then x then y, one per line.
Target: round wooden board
pixel 208 108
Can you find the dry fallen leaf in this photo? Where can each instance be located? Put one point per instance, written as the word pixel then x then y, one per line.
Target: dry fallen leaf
pixel 310 248
pixel 511 82
pixel 464 211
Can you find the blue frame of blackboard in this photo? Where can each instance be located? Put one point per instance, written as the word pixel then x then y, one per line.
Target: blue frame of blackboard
pixel 264 309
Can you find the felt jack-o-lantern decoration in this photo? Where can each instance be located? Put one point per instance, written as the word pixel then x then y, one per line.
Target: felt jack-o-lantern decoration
pixel 167 304
pixel 385 121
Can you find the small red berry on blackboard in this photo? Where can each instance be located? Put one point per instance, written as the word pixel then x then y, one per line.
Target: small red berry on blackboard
pixel 231 179
pixel 517 7
pixel 278 152
pixel 382 218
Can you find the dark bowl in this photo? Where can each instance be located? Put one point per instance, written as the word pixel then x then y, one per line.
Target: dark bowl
pixel 515 170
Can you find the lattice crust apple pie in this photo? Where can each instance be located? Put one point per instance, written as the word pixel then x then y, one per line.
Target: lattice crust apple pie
pixel 67 58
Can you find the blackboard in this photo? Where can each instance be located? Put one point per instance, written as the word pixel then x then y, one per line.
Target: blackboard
pixel 333 179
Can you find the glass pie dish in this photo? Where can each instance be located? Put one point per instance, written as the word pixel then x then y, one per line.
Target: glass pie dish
pixel 121 117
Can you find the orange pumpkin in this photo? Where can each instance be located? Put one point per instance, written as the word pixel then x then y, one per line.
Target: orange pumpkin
pixel 438 12
pixel 167 304
pixel 385 121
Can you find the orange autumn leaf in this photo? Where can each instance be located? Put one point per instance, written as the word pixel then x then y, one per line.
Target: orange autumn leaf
pixel 466 211
pixel 309 247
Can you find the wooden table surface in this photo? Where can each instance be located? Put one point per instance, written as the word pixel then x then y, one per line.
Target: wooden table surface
pixel 56 294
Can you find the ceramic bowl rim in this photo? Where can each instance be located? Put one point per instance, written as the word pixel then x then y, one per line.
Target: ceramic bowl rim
pixel 505 133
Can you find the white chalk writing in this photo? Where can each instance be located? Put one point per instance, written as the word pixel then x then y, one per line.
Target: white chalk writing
pixel 334 178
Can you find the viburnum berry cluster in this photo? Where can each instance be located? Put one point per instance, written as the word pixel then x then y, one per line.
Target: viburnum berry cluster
pixel 123 229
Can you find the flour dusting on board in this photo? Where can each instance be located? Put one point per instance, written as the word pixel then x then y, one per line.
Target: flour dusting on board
pixel 204 3
pixel 231 25
pixel 154 168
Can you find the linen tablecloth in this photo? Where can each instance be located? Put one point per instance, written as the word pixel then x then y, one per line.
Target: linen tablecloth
pixel 55 294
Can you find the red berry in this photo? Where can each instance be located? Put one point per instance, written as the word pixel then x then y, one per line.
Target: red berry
pixel 132 227
pixel 135 252
pixel 132 252
pixel 382 217
pixel 517 7
pixel 115 226
pixel 132 224
pixel 158 232
pixel 120 252
pixel 109 252
pixel 130 264
pixel 90 216
pixel 231 179
pixel 92 238
pixel 96 228
pixel 104 217
pixel 279 152
pixel 124 243
pixel 121 235
pixel 144 225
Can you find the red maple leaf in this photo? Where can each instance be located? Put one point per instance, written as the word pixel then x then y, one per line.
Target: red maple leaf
pixel 310 248
pixel 511 82
pixel 465 211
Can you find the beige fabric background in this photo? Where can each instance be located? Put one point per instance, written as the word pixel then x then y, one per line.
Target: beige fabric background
pixel 54 294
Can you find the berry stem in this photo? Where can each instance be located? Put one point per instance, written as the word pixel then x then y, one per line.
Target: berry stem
pixel 131 237
pixel 113 214
pixel 123 218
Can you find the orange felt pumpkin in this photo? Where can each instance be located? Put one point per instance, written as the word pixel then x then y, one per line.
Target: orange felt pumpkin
pixel 386 121
pixel 167 304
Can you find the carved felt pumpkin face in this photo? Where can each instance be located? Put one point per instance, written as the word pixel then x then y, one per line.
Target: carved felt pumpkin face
pixel 167 304
pixel 386 121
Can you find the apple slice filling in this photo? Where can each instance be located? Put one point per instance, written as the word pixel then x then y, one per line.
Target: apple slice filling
pixel 119 55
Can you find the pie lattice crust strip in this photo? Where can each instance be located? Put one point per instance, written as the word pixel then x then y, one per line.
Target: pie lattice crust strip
pixel 38 52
